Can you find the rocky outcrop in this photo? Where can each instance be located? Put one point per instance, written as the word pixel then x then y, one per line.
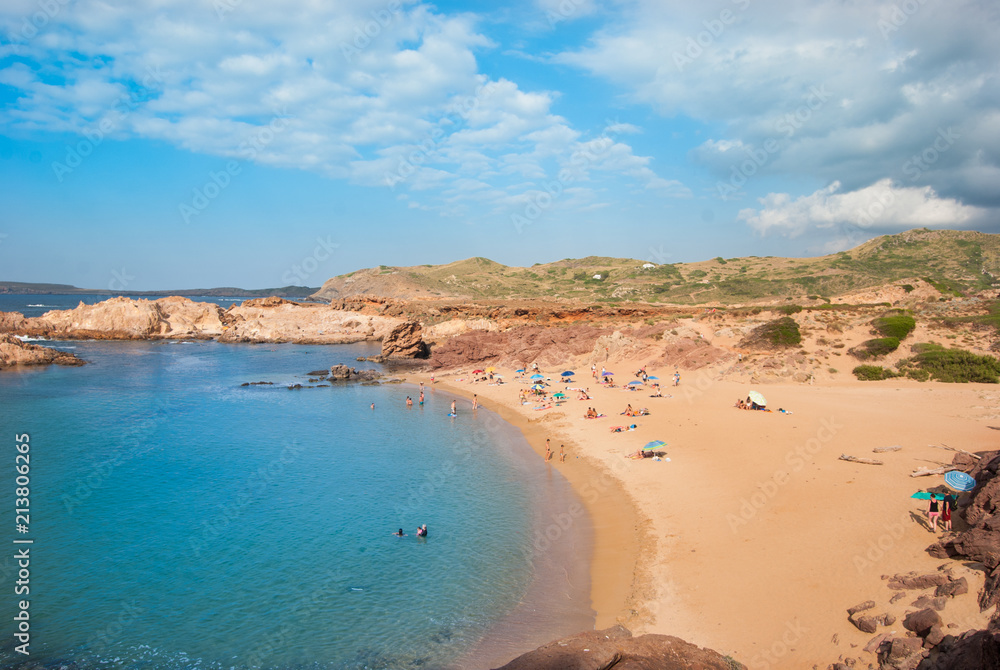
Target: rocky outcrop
pixel 615 647
pixel 517 347
pixel 346 373
pixel 260 320
pixel 15 352
pixel 404 341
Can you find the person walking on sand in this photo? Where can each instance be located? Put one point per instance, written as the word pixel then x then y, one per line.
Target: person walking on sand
pixel 677 378
pixel 593 370
pixel 933 512
pixel 947 505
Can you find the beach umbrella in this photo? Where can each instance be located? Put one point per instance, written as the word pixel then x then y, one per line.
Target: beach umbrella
pixel 566 374
pixel 636 383
pixel 959 481
pixel 926 495
pixel 559 395
pixel 606 374
pixel 491 369
pixel 652 377
pixel 537 377
pixel 519 370
pixel 756 397
pixel 538 387
pixel 655 444
pixel 476 372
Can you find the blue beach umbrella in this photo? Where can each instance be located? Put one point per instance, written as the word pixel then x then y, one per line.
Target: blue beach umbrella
pixel 519 370
pixel 635 383
pixel 536 377
pixel 927 495
pixel 655 444
pixel 607 374
pixel 652 377
pixel 959 481
pixel 567 374
pixel 538 387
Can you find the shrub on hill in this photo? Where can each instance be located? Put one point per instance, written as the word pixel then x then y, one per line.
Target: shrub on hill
pixel 898 326
pixel 873 373
pixel 880 346
pixel 780 333
pixel 951 365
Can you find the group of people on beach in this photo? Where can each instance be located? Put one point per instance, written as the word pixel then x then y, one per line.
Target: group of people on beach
pixel 592 414
pixel 940 509
pixel 549 453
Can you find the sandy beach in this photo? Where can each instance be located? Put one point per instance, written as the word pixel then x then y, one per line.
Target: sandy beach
pixel 753 539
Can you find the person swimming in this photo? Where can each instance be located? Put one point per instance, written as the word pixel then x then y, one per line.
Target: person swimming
pixel 400 533
pixel 422 531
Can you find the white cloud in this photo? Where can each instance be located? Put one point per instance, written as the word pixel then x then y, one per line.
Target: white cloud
pixel 882 206
pixel 751 72
pixel 363 90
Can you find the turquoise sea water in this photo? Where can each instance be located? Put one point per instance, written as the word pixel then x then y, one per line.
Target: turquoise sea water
pixel 182 520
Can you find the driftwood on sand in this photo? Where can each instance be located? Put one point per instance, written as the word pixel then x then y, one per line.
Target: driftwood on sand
pixel 924 472
pixel 865 461
pixel 879 450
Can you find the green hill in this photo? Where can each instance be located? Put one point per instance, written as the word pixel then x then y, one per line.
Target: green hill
pixel 954 262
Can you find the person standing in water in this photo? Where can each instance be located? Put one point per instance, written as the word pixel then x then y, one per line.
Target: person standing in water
pixel 453 408
pixel 421 394
pixel 475 401
pixel 373 407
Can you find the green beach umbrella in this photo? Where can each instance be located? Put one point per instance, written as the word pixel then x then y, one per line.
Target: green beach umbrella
pixel 655 444
pixel 559 395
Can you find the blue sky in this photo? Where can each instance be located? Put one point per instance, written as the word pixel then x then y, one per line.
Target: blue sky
pixel 159 144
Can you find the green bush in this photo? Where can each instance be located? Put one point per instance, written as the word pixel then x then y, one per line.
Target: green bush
pixel 908 288
pixel 783 332
pixel 789 309
pixel 876 348
pixel 873 373
pixel 897 326
pixel 952 365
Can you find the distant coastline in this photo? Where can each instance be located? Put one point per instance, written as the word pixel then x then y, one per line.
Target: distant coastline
pixel 28 288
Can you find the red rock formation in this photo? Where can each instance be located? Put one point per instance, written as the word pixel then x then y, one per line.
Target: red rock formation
pixel 518 346
pixel 616 648
pixel 404 341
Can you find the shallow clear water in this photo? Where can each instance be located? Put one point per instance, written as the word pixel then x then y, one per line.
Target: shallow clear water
pixel 182 520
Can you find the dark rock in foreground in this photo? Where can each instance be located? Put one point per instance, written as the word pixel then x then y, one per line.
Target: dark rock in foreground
pixel 347 373
pixel 616 648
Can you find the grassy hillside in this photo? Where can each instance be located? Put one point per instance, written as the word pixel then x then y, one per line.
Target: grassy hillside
pixel 954 262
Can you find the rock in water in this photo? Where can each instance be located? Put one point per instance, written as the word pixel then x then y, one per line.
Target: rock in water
pixel 405 341
pixel 615 647
pixel 15 352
